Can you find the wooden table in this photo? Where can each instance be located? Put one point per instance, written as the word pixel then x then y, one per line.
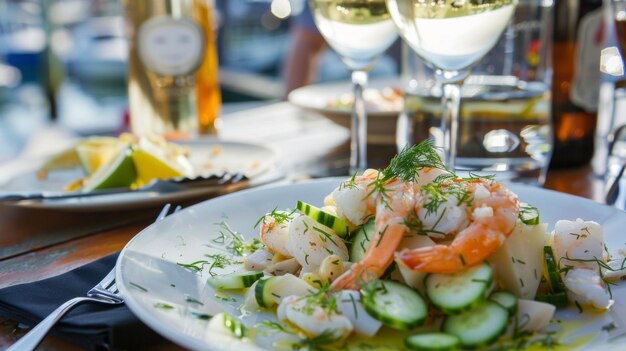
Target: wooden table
pixel 36 244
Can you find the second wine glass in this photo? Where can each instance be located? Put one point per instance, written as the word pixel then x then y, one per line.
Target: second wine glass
pixel 451 36
pixel 359 31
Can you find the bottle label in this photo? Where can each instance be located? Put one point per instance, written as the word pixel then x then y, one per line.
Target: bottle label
pixel 170 46
pixel 587 77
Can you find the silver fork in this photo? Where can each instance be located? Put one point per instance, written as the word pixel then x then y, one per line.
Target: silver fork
pixel 104 292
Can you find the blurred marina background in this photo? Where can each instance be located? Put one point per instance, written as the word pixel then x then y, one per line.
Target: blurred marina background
pixel 66 60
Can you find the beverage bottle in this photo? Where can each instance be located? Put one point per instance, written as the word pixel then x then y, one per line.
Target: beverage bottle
pixel 172 67
pixel 579 36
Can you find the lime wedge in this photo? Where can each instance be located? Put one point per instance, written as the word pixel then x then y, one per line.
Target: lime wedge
pixel 120 172
pixel 151 166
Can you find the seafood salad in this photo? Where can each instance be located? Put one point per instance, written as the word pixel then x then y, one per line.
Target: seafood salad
pixel 417 258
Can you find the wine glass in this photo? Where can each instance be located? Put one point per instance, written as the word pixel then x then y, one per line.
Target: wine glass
pixel 451 36
pixel 359 31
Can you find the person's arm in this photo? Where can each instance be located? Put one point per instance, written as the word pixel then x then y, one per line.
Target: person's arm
pixel 306 45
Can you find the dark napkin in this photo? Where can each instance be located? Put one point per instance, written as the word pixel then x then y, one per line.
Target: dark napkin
pixel 90 325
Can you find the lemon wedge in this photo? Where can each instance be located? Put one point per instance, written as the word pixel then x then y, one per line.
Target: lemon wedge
pixel 89 154
pixel 152 166
pixel 92 157
pixel 66 159
pixel 119 172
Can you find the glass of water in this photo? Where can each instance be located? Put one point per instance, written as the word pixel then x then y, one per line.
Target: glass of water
pixel 504 124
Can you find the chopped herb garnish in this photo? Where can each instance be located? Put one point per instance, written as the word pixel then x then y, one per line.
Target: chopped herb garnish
pixel 220 261
pixel 192 300
pixel 580 308
pixel 163 306
pixel 202 316
pixel 354 308
pixel 138 286
pixel 350 183
pixel 274 327
pixel 235 242
pixel 325 235
pixel 382 235
pixel 609 327
pixel 224 297
pixel 194 266
pixel 279 217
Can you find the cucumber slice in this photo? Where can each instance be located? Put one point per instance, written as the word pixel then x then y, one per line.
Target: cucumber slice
pixel 360 240
pixel 551 272
pixel 271 290
pixel 454 293
pixel 234 280
pixel 557 299
pixel 225 324
pixel 335 223
pixel 506 300
pixel 432 342
pixel 479 326
pixel 528 214
pixel 262 292
pixel 394 304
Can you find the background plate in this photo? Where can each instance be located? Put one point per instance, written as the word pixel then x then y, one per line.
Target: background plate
pixel 207 156
pixel 381 127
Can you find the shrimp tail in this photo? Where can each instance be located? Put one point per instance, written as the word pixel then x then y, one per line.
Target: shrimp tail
pixel 377 258
pixel 436 258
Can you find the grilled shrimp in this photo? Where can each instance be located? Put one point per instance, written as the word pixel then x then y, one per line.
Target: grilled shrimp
pixel 274 231
pixel 351 199
pixel 579 240
pixel 314 318
pixel 310 243
pixel 492 212
pixel 580 245
pixel 393 204
pixel 587 287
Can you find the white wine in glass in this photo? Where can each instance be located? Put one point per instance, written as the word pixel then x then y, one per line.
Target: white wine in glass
pixel 359 31
pixel 451 36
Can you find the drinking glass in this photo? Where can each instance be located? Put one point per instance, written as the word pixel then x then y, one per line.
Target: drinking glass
pixel 359 31
pixel 505 124
pixel 451 36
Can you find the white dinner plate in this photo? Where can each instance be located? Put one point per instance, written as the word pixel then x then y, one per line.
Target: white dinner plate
pixel 257 162
pixel 381 127
pixel 148 274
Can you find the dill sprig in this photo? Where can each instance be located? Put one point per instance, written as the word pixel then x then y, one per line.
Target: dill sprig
pixel 324 298
pixel 271 327
pixel 438 193
pixel 234 242
pixel 411 159
pixel 218 261
pixel 278 216
pixel 194 266
pixel 350 183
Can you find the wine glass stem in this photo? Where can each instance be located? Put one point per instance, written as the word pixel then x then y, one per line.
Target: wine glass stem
pixel 451 102
pixel 358 129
